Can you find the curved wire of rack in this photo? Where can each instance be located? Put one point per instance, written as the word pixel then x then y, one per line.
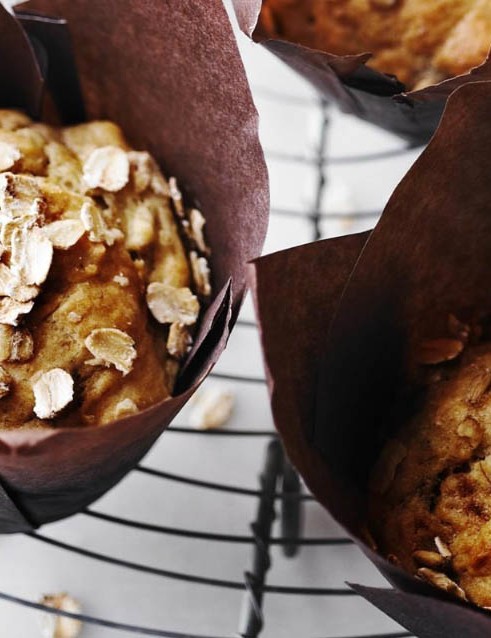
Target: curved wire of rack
pixel 253 584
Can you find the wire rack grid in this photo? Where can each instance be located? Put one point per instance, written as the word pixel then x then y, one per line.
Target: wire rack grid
pixel 191 544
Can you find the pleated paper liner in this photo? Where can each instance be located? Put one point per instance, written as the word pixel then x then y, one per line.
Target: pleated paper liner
pixel 372 96
pixel 352 310
pixel 171 76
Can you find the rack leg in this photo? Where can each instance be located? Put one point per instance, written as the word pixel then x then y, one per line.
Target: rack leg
pixel 251 618
pixel 291 509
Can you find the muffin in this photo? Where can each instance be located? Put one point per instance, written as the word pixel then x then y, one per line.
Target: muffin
pixel 103 275
pixel 430 496
pixel 418 41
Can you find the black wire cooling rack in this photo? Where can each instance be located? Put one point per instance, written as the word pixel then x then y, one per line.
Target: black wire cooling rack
pixel 280 492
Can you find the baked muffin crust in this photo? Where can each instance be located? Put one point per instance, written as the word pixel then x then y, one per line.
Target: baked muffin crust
pixel 430 500
pixel 419 41
pixel 86 226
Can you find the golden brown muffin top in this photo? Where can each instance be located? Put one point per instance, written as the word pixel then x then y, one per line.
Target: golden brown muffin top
pixel 419 41
pixel 430 500
pixel 103 272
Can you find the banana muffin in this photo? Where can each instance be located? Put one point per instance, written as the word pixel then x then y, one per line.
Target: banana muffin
pixel 430 491
pixel 419 41
pixel 103 274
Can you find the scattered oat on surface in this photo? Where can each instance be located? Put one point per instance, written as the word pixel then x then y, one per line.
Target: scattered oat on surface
pixel 201 274
pixel 21 346
pixel 9 155
pixel 125 408
pixel 23 293
pixel 430 559
pixel 159 185
pixel 212 408
pixel 140 227
pixel 53 391
pixel 107 167
pixel 142 169
pixel 434 351
pixel 176 197
pixel 172 305
pixel 11 310
pixel 442 581
pixel 12 286
pixel 54 626
pixel 74 317
pixel 32 254
pixel 64 233
pixel 179 341
pixel 195 229
pixel 19 195
pixel 111 346
pixel 442 548
pixel 94 223
pixel 146 174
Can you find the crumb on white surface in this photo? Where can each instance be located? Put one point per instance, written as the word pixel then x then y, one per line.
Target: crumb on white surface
pixel 212 408
pixel 53 626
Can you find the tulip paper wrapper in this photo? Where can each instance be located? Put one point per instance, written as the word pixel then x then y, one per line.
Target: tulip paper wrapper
pixel 373 96
pixel 170 74
pixel 352 310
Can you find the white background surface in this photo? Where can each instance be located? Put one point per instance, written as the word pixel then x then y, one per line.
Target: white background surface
pixel 290 126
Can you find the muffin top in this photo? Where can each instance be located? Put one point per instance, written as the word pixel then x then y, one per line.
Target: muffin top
pixel 103 274
pixel 419 41
pixel 430 497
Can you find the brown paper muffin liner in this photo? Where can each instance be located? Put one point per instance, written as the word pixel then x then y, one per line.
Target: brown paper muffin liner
pixel 170 75
pixel 373 96
pixel 353 308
